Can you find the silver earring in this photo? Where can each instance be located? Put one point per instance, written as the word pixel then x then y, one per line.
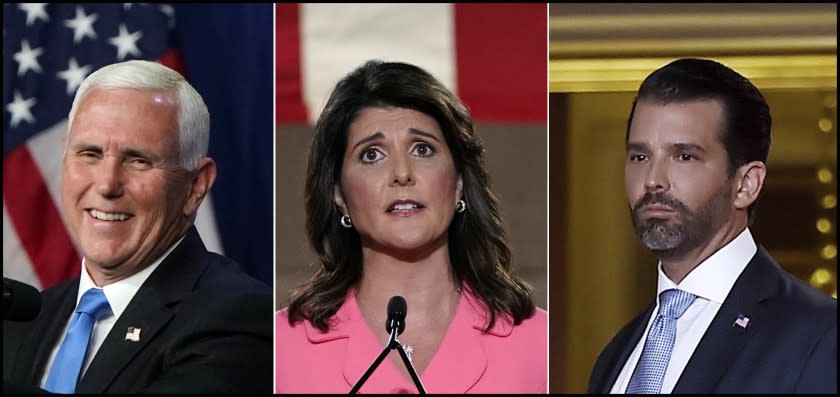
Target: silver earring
pixel 460 206
pixel 345 221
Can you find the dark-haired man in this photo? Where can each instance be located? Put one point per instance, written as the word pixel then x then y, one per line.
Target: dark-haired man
pixel 727 318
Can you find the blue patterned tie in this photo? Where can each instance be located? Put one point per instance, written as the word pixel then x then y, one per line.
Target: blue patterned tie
pixel 647 378
pixel 71 355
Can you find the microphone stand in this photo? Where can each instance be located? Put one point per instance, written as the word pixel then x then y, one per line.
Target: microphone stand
pixel 393 343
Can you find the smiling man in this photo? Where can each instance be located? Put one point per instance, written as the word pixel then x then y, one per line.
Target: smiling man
pixel 154 310
pixel 727 318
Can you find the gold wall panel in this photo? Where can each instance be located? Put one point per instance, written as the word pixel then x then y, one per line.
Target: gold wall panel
pixel 598 56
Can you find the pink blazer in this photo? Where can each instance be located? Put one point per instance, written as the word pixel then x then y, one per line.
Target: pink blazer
pixel 508 359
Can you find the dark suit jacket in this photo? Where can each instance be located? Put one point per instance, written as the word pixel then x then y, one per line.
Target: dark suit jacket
pixel 205 325
pixel 788 346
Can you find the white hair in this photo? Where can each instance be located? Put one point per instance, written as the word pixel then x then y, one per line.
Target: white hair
pixel 193 117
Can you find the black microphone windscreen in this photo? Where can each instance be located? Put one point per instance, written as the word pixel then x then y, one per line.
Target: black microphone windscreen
pixel 397 308
pixel 21 302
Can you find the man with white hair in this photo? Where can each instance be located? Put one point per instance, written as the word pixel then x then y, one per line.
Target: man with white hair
pixel 154 310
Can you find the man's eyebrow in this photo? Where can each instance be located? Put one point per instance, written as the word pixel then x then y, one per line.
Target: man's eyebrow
pixel 84 146
pixel 127 152
pixel 636 146
pixel 132 152
pixel 689 146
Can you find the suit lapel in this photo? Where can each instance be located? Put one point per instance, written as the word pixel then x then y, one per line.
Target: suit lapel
pixel 628 343
pixel 116 351
pixel 54 316
pixel 724 340
pixel 462 350
pixel 150 309
pixel 362 349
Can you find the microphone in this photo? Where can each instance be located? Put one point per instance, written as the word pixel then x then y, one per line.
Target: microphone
pixel 395 325
pixel 396 314
pixel 21 302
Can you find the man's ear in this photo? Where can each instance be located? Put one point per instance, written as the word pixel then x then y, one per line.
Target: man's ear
pixel 749 181
pixel 200 185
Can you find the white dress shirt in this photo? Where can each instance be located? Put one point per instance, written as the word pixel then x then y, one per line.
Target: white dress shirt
pixel 711 282
pixel 119 294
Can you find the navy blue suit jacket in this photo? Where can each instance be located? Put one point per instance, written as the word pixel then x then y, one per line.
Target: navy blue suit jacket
pixel 205 325
pixel 789 345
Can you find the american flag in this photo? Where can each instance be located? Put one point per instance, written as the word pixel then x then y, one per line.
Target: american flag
pixel 742 321
pixel 133 334
pixel 48 50
pixel 492 55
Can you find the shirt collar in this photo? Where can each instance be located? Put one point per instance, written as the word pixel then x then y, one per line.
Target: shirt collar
pixel 120 293
pixel 713 278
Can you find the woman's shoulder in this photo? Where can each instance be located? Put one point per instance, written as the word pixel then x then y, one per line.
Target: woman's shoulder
pixel 531 327
pixel 299 349
pixel 534 326
pixel 282 316
pixel 517 355
pixel 302 328
pixel 539 319
pixel 282 328
pixel 294 340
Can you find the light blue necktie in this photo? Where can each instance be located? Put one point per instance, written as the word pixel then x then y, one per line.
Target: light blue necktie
pixel 71 355
pixel 650 371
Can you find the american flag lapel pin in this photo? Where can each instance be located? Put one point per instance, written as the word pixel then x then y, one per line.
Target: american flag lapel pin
pixel 133 334
pixel 741 321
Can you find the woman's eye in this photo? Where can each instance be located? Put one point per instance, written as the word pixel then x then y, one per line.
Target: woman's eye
pixel 423 150
pixel 371 155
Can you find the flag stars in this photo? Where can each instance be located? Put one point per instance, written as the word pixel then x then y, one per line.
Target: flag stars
pixel 82 25
pixel 169 11
pixel 74 75
pixel 34 12
pixel 27 58
pixel 19 108
pixel 126 42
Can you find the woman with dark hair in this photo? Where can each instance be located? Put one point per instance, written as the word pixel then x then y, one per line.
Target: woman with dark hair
pixel 398 203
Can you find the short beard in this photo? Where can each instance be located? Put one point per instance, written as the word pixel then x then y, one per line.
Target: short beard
pixel 670 238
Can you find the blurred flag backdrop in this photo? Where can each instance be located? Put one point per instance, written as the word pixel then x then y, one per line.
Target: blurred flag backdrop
pixel 493 56
pixel 224 50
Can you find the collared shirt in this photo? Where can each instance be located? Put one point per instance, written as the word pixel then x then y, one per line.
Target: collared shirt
pixel 711 282
pixel 119 295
